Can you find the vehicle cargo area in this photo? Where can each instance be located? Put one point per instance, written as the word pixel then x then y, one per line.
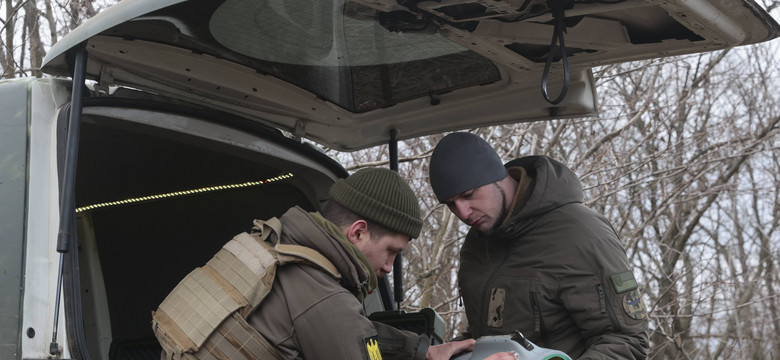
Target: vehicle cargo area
pixel 153 204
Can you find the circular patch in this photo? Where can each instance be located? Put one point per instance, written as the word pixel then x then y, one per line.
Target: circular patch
pixel 633 305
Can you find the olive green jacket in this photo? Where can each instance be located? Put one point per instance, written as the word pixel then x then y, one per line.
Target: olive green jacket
pixel 555 270
pixel 309 314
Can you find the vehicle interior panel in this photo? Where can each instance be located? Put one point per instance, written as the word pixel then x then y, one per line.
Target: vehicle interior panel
pixel 134 254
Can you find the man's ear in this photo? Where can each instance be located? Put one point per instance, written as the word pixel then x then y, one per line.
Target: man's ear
pixel 357 232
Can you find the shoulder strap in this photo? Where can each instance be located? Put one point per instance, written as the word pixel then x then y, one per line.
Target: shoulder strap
pixel 287 253
pixel 264 228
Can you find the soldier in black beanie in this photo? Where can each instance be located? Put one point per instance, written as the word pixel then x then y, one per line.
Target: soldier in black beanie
pixel 536 259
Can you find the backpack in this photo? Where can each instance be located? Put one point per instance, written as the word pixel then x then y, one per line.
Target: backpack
pixel 204 317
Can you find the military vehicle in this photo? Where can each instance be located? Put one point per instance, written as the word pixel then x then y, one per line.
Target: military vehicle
pixel 165 126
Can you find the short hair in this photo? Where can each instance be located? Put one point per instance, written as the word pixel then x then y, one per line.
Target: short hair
pixel 341 217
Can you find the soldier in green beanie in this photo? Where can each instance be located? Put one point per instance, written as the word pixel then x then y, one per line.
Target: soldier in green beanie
pixel 371 217
pixel 313 306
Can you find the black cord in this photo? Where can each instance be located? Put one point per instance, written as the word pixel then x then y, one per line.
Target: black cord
pixel 557 7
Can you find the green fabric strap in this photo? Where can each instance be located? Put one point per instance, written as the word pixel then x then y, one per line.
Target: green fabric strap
pixel 361 259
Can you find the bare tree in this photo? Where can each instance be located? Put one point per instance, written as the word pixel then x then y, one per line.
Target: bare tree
pixel 684 161
pixel 8 39
pixel 24 43
pixel 33 31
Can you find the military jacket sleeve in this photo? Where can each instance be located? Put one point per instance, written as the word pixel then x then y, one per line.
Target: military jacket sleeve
pixel 602 296
pixel 609 317
pixel 335 328
pixel 401 345
pixel 308 315
pixel 344 333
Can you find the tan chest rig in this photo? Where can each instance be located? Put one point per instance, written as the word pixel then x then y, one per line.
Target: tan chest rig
pixel 204 317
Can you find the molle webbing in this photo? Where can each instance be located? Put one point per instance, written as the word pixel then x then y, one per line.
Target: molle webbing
pixel 204 317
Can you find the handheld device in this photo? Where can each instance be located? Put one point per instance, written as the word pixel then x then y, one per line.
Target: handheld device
pixel 525 349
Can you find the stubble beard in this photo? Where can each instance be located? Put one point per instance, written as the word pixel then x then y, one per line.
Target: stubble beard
pixel 502 215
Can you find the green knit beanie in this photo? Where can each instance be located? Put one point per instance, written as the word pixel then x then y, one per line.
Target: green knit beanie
pixel 382 196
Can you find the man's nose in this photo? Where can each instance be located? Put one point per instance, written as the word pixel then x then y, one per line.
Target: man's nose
pixel 462 209
pixel 387 267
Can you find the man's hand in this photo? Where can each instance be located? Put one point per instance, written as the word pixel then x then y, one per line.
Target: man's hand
pixel 445 351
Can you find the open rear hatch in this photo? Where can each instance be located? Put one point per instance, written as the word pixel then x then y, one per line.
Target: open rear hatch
pixel 344 73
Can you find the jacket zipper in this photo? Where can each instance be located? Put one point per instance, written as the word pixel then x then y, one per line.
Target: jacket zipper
pixel 538 321
pixel 486 289
pixel 605 308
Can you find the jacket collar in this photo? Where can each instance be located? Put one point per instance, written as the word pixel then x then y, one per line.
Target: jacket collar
pixel 312 230
pixel 524 188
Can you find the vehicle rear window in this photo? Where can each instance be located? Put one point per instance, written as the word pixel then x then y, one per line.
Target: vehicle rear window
pixel 336 50
pixel 341 52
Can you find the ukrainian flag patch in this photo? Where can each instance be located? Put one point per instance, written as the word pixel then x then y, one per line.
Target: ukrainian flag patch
pixel 372 348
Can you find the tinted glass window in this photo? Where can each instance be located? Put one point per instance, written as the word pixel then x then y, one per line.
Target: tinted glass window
pixel 340 51
pixel 335 49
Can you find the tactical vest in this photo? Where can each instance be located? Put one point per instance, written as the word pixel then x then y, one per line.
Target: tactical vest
pixel 204 317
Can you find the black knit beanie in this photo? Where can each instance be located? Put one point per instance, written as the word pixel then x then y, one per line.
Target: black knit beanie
pixel 382 196
pixel 463 161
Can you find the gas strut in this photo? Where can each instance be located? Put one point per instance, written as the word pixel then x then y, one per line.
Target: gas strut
pixel 68 191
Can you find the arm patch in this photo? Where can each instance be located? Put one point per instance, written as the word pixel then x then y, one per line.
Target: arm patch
pixel 371 345
pixel 634 306
pixel 624 282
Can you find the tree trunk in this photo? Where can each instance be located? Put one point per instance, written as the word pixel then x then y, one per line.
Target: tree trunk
pixel 9 28
pixel 32 24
